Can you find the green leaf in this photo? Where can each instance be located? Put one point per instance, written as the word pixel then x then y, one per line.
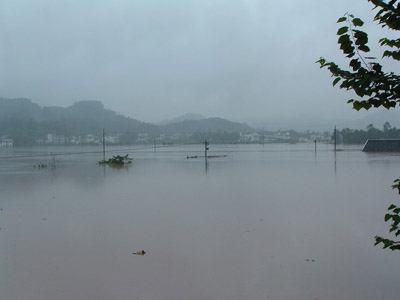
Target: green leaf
pixel 377 67
pixel 342 30
pixel 342 19
pixel 364 48
pixel 355 64
pixel 387 217
pixel 378 240
pixel 395 247
pixel 357 105
pixel 337 79
pixel 345 38
pixel 357 22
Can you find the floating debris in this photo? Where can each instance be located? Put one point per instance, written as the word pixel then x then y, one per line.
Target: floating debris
pixel 40 165
pixel 208 156
pixel 141 252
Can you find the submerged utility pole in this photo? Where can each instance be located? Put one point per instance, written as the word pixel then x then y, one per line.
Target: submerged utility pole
pixel 155 145
pixel 104 144
pixel 334 137
pixel 205 154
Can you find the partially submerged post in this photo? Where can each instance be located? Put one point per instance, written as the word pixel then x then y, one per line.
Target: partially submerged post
pixel 205 154
pixel 334 137
pixel 104 144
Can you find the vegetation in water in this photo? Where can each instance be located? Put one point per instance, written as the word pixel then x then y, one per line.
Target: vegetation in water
pixel 41 165
pixel 51 164
pixel 117 160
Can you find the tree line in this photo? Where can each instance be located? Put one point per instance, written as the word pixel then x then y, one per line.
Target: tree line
pixel 360 136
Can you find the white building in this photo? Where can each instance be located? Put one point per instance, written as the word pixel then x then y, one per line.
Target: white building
pixel 161 137
pixel 53 139
pixel 91 139
pixel 112 139
pixel 143 138
pixel 5 142
pixel 249 137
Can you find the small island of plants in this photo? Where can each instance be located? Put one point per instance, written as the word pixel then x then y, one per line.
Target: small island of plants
pixel 117 160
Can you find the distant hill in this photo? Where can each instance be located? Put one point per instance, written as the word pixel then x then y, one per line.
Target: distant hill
pixel 204 125
pixel 20 108
pixel 185 117
pixel 27 122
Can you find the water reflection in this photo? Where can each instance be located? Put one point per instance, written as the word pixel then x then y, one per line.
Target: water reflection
pixel 334 151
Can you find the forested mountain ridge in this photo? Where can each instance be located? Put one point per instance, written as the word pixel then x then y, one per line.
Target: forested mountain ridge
pixel 27 122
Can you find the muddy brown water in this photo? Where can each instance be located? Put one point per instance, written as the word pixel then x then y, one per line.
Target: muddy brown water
pixel 272 222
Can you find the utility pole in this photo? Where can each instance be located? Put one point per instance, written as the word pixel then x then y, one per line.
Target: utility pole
pixel 205 154
pixel 104 144
pixel 155 145
pixel 334 136
pixel 315 144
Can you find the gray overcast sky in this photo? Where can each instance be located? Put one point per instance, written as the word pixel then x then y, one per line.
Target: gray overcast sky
pixel 156 59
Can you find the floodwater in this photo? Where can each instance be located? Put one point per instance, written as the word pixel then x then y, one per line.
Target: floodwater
pixel 273 222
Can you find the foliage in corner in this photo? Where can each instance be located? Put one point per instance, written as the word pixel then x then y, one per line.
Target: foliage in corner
pixel 365 76
pixel 394 217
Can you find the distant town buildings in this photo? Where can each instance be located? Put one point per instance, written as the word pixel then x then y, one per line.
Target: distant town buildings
pixel 148 138
pixel 284 136
pixel 113 139
pixel 289 136
pixel 6 142
pixel 89 139
pixel 55 139
pixel 145 138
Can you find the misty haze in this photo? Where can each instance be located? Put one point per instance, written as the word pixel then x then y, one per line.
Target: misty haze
pixel 166 150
